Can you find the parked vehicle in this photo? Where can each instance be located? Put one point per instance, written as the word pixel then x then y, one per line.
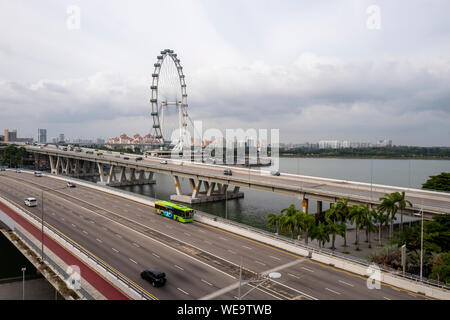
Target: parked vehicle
pixel 227 172
pixel 155 277
pixel 275 173
pixel 30 202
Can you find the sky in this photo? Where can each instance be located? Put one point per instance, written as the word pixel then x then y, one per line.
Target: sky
pixel 315 70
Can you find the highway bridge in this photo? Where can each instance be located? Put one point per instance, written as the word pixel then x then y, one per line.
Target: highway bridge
pixel 198 259
pixel 208 182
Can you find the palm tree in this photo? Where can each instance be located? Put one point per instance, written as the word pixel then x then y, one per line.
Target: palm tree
pixel 381 219
pixel 368 223
pixel 306 222
pixel 273 220
pixel 289 223
pixel 388 204
pixel 401 204
pixel 321 233
pixel 342 212
pixel 357 217
pixel 290 211
pixel 332 220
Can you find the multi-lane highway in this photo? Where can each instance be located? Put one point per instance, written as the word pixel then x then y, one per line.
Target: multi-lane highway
pixel 197 259
pixel 295 185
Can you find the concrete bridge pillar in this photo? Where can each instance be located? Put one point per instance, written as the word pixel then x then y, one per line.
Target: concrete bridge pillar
pixel 208 194
pixel 319 206
pixel 132 178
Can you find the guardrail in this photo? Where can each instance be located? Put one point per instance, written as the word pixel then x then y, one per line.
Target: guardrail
pixel 130 284
pixel 327 252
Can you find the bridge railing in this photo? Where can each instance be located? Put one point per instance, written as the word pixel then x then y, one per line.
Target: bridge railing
pixel 314 249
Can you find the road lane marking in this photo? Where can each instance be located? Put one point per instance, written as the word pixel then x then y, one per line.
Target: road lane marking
pixel 133 261
pixel 156 255
pixel 222 238
pixel 119 235
pixel 203 280
pixel 335 292
pixel 183 291
pixel 231 251
pixel 188 234
pixel 99 240
pixel 386 298
pixel 247 247
pixel 208 242
pixel 74 225
pixel 85 232
pixel 115 250
pixel 63 219
pixel 293 275
pixel 136 245
pixel 177 266
pixel 275 258
pixel 263 264
pixel 307 269
pixel 349 284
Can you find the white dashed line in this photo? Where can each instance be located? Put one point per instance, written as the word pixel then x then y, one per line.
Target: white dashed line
pixel 133 261
pixel 115 250
pixel 63 219
pixel 231 251
pixel 85 232
pixel 99 240
pixel 92 221
pixel 349 284
pixel 335 292
pixel 293 275
pixel 304 268
pixel 222 238
pixel 188 234
pixel 183 291
pixel 155 255
pixel 207 282
pixel 275 258
pixel 263 264
pixel 74 225
pixel 119 235
pixel 247 247
pixel 176 266
pixel 386 298
pixel 208 242
pixel 136 245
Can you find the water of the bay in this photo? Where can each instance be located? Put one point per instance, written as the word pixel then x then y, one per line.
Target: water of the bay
pixel 256 205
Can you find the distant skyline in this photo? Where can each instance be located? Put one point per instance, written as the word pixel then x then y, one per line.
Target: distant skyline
pixel 316 70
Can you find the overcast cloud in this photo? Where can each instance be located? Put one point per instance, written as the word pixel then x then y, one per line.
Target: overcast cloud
pixel 310 68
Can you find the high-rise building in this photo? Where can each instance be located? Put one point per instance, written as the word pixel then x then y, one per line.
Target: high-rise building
pixel 42 136
pixel 61 138
pixel 10 135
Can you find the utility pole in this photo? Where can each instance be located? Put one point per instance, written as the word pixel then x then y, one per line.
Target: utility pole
pixel 23 283
pixel 421 247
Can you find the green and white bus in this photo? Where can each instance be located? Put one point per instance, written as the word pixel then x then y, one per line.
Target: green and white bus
pixel 174 211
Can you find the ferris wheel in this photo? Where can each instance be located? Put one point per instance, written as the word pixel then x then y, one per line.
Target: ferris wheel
pixel 169 101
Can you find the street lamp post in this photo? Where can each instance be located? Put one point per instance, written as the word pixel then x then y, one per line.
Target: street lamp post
pixel 272 275
pixel 23 282
pixel 421 247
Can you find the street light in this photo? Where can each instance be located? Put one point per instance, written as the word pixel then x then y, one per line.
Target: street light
pixel 265 278
pixel 421 241
pixel 23 282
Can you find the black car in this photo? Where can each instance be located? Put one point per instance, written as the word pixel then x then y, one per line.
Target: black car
pixel 155 277
pixel 227 172
pixel 126 158
pixel 138 158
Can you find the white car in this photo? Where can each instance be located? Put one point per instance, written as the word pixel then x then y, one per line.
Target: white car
pixel 30 202
pixel 163 162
